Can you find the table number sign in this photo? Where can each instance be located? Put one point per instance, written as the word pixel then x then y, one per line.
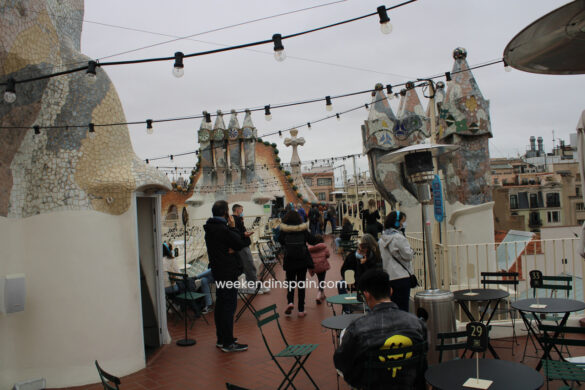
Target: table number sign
pixel 536 282
pixel 477 341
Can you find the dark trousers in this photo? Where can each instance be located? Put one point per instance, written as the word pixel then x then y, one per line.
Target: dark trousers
pixel 321 278
pixel 225 307
pixel 400 292
pixel 298 275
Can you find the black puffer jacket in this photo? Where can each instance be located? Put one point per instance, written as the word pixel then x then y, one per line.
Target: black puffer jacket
pixel 220 238
pixel 294 239
pixel 385 324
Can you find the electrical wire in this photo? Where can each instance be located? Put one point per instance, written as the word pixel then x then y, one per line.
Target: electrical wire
pixel 207 52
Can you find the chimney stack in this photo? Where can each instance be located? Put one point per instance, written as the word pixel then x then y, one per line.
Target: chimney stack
pixel 533 143
pixel 540 146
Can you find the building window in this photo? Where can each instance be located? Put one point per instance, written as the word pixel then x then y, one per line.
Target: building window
pixel 513 202
pixel 580 206
pixel 321 195
pixel 577 191
pixel 553 199
pixel 534 219
pixel 324 182
pixel 533 201
pixel 553 216
pixel 495 180
pixel 309 181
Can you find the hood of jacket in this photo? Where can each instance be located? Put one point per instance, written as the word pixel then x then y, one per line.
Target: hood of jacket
pixel 318 247
pixel 294 228
pixel 386 239
pixel 213 224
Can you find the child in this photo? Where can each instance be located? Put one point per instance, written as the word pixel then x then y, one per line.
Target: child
pixel 320 253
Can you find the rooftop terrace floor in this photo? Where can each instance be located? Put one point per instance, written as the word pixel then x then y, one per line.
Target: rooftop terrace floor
pixel 203 366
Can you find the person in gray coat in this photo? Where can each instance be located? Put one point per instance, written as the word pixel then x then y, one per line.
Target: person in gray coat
pixel 397 257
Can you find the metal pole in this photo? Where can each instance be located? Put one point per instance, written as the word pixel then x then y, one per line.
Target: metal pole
pixel 424 198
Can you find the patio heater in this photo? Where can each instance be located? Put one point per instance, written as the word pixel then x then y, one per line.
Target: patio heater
pixel 435 306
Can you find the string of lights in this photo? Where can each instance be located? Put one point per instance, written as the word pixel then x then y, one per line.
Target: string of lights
pixel 178 67
pixel 267 109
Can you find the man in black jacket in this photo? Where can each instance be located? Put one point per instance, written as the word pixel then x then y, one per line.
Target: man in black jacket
pixel 223 242
pixel 385 327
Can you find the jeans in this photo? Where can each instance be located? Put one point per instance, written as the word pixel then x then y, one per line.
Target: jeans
pixel 248 264
pixel 225 308
pixel 400 292
pixel 206 281
pixel 333 226
pixel 298 275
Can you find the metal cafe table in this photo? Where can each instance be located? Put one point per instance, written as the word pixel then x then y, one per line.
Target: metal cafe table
pixel 506 375
pixel 338 323
pixel 487 295
pixel 343 299
pixel 545 306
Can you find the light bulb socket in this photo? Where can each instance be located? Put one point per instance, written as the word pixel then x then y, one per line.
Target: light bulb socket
pixel 389 89
pixel 440 85
pixel 277 39
pixel 147 161
pixel 91 68
pixel 172 158
pixel 328 104
pixel 448 76
pixel 409 85
pixel 267 110
pixel 384 18
pixel 403 92
pixel 309 125
pixel 337 116
pixel 91 128
pixel 367 106
pixel 179 59
pixel 37 129
pixel 207 117
pixel 280 134
pixel 149 123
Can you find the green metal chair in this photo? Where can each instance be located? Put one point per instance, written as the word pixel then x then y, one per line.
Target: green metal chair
pixel 392 362
pixel 562 369
pixel 105 378
pixel 299 352
pixel 186 297
pixel 449 341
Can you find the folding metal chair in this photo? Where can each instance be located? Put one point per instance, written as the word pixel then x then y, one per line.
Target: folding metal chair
pixel 247 299
pixel 268 262
pixel 454 344
pixel 507 279
pixel 105 378
pixel 186 297
pixel 299 352
pixel 562 369
pixel 551 286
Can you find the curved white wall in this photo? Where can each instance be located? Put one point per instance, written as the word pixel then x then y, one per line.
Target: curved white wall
pixel 82 297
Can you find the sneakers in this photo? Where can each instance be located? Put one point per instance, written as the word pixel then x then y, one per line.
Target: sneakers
pixel 302 314
pixel 207 309
pixel 235 347
pixel 218 345
pixel 318 299
pixel 289 309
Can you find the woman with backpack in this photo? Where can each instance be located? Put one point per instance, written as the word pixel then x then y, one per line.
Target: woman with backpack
pixel 294 236
pixel 320 254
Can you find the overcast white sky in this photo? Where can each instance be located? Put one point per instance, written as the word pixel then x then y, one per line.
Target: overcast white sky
pixel 343 59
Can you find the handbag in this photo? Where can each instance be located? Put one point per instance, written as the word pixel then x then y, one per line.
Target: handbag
pixel 413 279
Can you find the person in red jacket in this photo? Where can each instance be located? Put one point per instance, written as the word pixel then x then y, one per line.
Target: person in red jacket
pixel 320 254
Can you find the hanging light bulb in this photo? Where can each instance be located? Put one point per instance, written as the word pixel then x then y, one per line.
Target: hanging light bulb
pixel 171 156
pixel 309 125
pixel 267 114
pixel 385 25
pixel 149 129
pixel 507 67
pixel 367 106
pixel 279 53
pixel 91 130
pixel 328 104
pixel 91 71
pixel 10 92
pixel 37 129
pixel 147 161
pixel 448 76
pixel 178 70
pixel 280 133
pixel 338 117
pixel 207 117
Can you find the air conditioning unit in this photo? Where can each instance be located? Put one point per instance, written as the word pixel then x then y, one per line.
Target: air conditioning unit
pixel 33 384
